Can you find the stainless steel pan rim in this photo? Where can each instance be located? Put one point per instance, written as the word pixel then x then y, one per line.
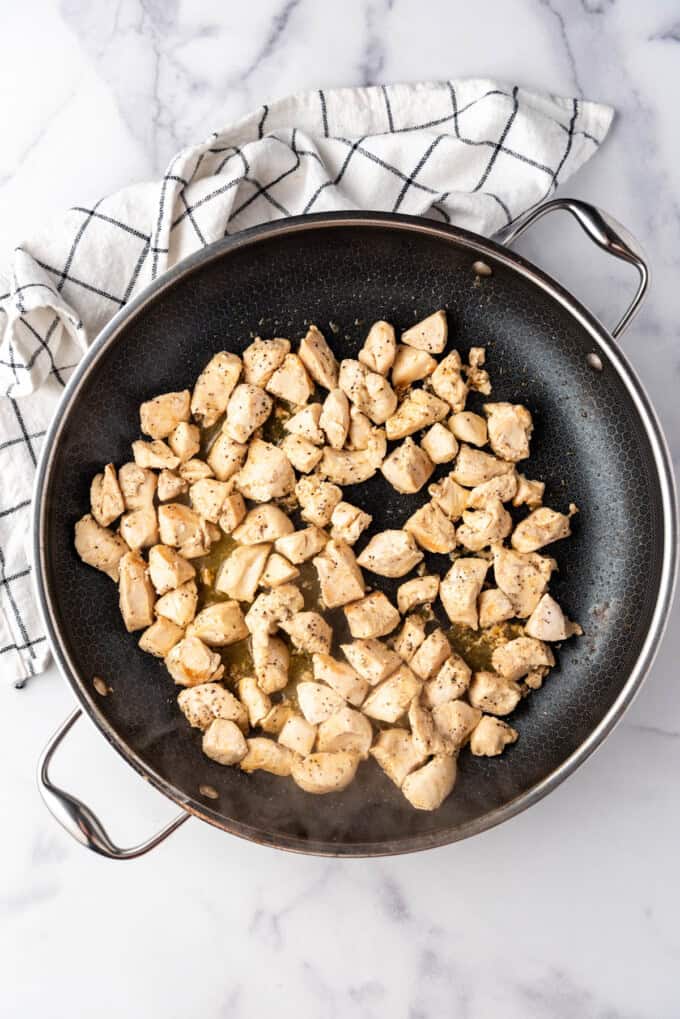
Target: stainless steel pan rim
pixel 479 248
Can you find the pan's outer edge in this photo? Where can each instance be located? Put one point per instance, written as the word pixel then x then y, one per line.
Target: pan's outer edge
pixel 479 247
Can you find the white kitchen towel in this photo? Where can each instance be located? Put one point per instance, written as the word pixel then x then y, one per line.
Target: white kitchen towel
pixel 476 153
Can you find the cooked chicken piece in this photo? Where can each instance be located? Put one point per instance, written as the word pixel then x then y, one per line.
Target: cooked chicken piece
pixel 491 736
pixel 139 529
pixel 335 418
pixel 179 605
pixel 264 523
pixel 309 632
pixel 346 730
pixel 303 454
pixel 494 607
pixel 540 528
pixel 459 590
pixel 548 622
pixel 448 383
pixel 275 719
pixel 159 638
pixel 340 578
pixel 455 720
pixel 523 577
pixel 371 616
pixel 306 424
pixel 418 591
pixel 319 359
pixel 529 493
pixel 449 684
pixel 439 444
pixel 185 440
pixel 449 496
pixel 168 569
pixel 170 486
pixel 186 530
pixel 233 512
pixel 473 467
pixel 502 487
pixel 160 416
pixel 408 467
pixel 224 742
pixel 342 678
pixel 301 545
pixel 239 574
pixel 369 391
pixel 266 474
pixel 271 660
pixel 291 382
pixel 278 571
pixel 137 485
pixel 510 427
pixel 410 365
pixel 428 787
pixel 469 427
pixel 191 662
pixel 397 754
pixel 514 659
pixel 477 378
pixel 390 554
pixel 379 348
pixel 431 655
pixel 371 659
pixel 156 454
pixel 248 408
pixel 349 522
pixel 195 470
pixel 273 607
pixel 298 735
pixel 389 700
pixel 207 497
pixel 484 527
pixel 418 410
pixel 262 358
pixel 213 388
pixel 351 467
pixel 324 773
pixel 106 498
pixel 203 703
pixel 220 624
pixel 135 591
pixel 266 755
pixel 226 456
pixel 494 694
pixel 318 499
pixel 432 529
pixel 431 334
pixel 256 702
pixel 318 702
pixel 426 736
pixel 410 637
pixel 360 429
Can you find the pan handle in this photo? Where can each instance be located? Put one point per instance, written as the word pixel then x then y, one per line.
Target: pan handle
pixel 607 234
pixel 77 819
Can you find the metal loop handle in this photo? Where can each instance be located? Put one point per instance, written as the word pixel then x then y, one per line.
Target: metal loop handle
pixel 607 234
pixel 77 819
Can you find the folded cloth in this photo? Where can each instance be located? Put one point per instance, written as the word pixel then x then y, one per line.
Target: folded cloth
pixel 475 153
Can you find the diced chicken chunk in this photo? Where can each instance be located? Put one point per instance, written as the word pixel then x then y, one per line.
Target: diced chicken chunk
pixel 432 529
pixel 266 755
pixel 137 485
pixel 523 577
pixel 529 493
pixel 248 408
pixel 491 736
pixel 540 528
pixel 324 773
pixel 494 607
pixel 351 467
pixel 514 659
pixel 484 527
pixel 477 378
pixel 502 487
pixel 318 702
pixel 275 719
pixel 263 523
pixel 192 662
pixel 372 616
pixel 469 427
pixel 318 358
pixel 548 622
pixel 397 754
pixel 168 569
pixel 299 546
pixel 159 638
pixel 224 742
pixel 371 659
pixel 139 529
pixel 306 424
pixel 220 624
pixel 318 499
pixel 340 578
pixel 418 410
pixel 428 787
pixel 410 637
pixel 455 720
pixel 99 547
pixel 431 334
pixel 410 365
pixel 155 455
pixel 185 530
pixel 390 554
pixel 439 444
pixel 302 454
pixel 255 700
pixel 493 693
pixel 360 429
pixel 196 470
pixel 274 607
pixel 449 496
pixel 298 735
pixel 278 571
pixel 207 497
pixel 266 474
pixel 408 467
pixel 233 513
pixel 136 593
pixel 431 655
pixel 341 677
pixel 379 348
pixel 473 467
pixel 226 456
pixel 170 486
pixel 239 574
pixel 426 736
pixel 369 391
pixel 510 427
pixel 291 382
pixel 271 661
pixel 160 416
pixel 449 684
pixel 388 701
pixel 262 358
pixel 448 383
pixel 346 730
pixel 213 388
pixel 179 605
pixel 309 632
pixel 106 498
pixel 418 591
pixel 349 522
pixel 201 704
pixel 460 588
pixel 185 440
pixel 335 418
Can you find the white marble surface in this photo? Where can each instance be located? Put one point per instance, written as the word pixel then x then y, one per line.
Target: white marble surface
pixel 567 911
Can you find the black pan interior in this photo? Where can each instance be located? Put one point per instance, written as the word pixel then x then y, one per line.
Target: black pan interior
pixel 589 446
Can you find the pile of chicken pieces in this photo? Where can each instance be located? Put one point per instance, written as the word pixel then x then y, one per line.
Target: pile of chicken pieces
pixel 409 701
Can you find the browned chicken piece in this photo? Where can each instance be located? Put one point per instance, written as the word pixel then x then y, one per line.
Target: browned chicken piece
pixel 428 787
pixel 548 622
pixel 219 625
pixel 473 467
pixel 397 754
pixel 502 487
pixel 491 736
pixel 159 638
pixel 340 579
pixel 226 456
pixel 299 546
pixel 266 755
pixel 185 440
pixel 266 474
pixel 202 704
pixel 431 655
pixel 418 410
pixel 278 571
pixel 523 577
pixel 439 444
pixel 155 455
pixel 484 527
pixel 494 607
pixel 335 418
pixel 275 719
pixel 360 429
pixel 239 574
pixel 493 693
pixel 449 684
pixel 540 528
pixel 233 513
pixel 262 358
pixel 430 334
pixel 346 730
pixel 255 700
pixel 324 773
pixel 213 388
pixel 159 417
pixel 426 736
pixel 351 467
pixel 317 499
pixel 319 359
pixel 274 607
pixel 196 470
pixel 135 592
pixel 106 498
pixel 309 632
pixel 449 496
pixel 371 659
pixel 418 591
pixel 455 720
pixel 371 616
pixel 388 701
pixel 408 467
pixel 306 424
pixel 411 365
pixel 186 530
pixel 191 662
pixel 302 454
pixel 170 486
pixel 298 735
pixel 207 497
pixel 318 701
pixel 224 742
pixel 379 348
pixel 390 554
pixel 514 659
pixel 448 383
pixel 139 529
pixel 410 637
pixel 469 427
pixel 291 382
pixel 271 661
pixel 137 485
pixel 341 677
pixel 432 529
pixel 510 427
pixel 348 522
pixel 369 391
pixel 477 378
pixel 168 569
pixel 529 493
pixel 179 605
pixel 263 523
pixel 248 408
pixel 460 588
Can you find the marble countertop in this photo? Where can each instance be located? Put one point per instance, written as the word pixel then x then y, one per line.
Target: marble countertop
pixel 569 910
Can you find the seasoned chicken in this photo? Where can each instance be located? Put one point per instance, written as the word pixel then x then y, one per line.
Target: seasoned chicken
pixel 136 593
pixel 491 736
pixel 514 659
pixel 418 591
pixel 159 638
pixel 273 607
pixel 341 677
pixel 473 467
pixel 271 661
pixel 540 528
pixel 139 529
pixel 266 474
pixel 226 456
pixel 299 546
pixel 275 719
pixel 302 454
pixel 548 622
pixel 179 605
pixel 449 496
pixel 360 429
pixel 160 416
pixel 494 607
pixel 168 569
pixel 410 637
pixel 432 529
pixel 291 382
pixel 266 755
pixel 309 632
pixel 262 358
pixel 99 547
pixel 371 659
pixel 224 742
pixel 459 590
pixel 346 730
pixel 239 574
pixel 306 424
pixel 233 513
pixel 428 787
pixel 335 419
pixel 137 485
pixel 255 700
pixel 493 693
pixel 319 359
pixel 408 467
pixel 207 497
pixel 317 499
pixel 390 699
pixel 379 348
pixel 192 662
pixel 170 486
pixel 213 388
pixel 324 773
pixel 455 720
pixel 426 736
pixel 278 571
pixel 529 493
pixel 431 655
pixel 106 498
pixel 185 440
pixel 349 522
pixel 371 616
pixel 369 391
pixel 203 703
pixel 186 530
pixel 298 735
pixel 220 624
pixel 263 523
pixel 318 702
pixel 439 444
pixel 484 527
pixel 196 470
pixel 469 427
pixel 351 467
pixel 418 410
pixel 248 408
pixel 449 684
pixel 510 427
pixel 397 754
pixel 431 334
pixel 448 383
pixel 477 378
pixel 340 578
pixel 155 454
pixel 390 554
pixel 410 365
pixel 502 487
pixel 523 577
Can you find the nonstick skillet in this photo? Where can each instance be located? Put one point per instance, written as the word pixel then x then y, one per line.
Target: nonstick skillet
pixel 596 441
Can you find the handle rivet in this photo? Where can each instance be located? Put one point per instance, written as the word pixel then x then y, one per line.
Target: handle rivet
pixel 593 361
pixel 481 269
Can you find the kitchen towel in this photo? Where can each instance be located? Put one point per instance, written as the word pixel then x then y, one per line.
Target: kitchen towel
pixel 475 153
